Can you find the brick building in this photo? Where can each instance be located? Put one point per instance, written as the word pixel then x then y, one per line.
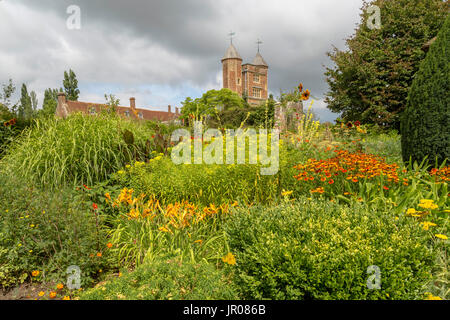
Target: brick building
pixel 249 79
pixel 66 107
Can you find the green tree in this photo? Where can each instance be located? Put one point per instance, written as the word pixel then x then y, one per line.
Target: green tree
pixel 25 108
pixel 112 102
pixel 70 83
pixel 50 102
pixel 34 101
pixel 425 124
pixel 211 103
pixel 371 78
pixel 8 91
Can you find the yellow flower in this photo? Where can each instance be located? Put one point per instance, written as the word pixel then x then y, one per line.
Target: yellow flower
pixel 411 211
pixel 164 229
pixel 230 259
pixel 66 298
pixel 198 241
pixel 120 172
pixel 428 204
pixel 286 193
pixel 35 273
pixel 431 297
pixel 40 294
pixel 441 236
pixel 426 225
pixel 128 166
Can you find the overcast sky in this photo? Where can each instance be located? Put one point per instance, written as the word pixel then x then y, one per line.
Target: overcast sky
pixel 162 51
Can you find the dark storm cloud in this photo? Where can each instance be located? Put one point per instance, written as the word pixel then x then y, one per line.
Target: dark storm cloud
pixel 175 43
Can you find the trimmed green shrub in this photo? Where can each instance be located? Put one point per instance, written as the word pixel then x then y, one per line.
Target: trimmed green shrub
pixel 320 250
pixel 78 150
pixel 167 280
pixel 425 126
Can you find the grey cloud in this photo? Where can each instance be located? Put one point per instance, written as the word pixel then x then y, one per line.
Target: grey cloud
pixel 174 43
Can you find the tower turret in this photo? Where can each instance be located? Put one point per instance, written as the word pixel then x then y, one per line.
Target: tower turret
pixel 232 70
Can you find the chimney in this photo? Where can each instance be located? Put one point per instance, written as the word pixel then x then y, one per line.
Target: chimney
pixel 61 108
pixel 133 103
pixel 177 111
pixel 169 108
pixel 61 98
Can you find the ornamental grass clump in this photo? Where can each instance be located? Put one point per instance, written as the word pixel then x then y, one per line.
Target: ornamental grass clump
pixel 78 150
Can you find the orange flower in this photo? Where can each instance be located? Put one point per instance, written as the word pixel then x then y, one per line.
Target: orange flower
pixel 35 273
pixel 109 245
pixel 300 87
pixel 305 95
pixel 331 181
pixel 52 294
pixel 59 286
pixel 99 254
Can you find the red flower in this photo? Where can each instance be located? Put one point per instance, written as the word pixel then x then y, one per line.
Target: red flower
pixel 331 181
pixel 385 188
pixel 95 206
pixel 86 187
pixel 357 123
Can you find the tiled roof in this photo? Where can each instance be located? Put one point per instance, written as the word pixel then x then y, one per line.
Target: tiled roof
pixel 85 107
pixel 231 53
pixel 259 60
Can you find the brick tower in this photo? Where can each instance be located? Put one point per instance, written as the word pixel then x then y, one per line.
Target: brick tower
pixel 232 70
pixel 248 79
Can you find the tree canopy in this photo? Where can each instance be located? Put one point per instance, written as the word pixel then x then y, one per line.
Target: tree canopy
pixel 371 78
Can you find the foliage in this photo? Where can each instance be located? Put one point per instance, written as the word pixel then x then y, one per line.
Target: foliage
pixel 319 250
pixel 50 103
pixel 48 232
pixel 425 126
pixel 145 230
pixel 78 150
pixel 70 83
pixel 210 103
pixel 371 79
pixel 167 280
pixel 8 91
pixel 25 110
pixel 9 132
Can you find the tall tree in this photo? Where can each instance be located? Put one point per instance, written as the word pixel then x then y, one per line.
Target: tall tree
pixel 34 101
pixel 70 83
pixel 372 77
pixel 50 102
pixel 425 123
pixel 8 91
pixel 25 108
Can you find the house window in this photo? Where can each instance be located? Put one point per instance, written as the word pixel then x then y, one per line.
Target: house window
pixel 256 93
pixel 238 81
pixel 256 78
pixel 92 111
pixel 141 115
pixel 127 113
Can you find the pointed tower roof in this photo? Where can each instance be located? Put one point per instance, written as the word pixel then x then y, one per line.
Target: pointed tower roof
pixel 259 60
pixel 231 53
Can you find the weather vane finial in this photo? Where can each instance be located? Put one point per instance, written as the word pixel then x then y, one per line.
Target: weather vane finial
pixel 231 34
pixel 258 43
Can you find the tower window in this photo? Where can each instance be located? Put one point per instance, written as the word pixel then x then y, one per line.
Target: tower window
pixel 238 81
pixel 141 115
pixel 127 113
pixel 256 93
pixel 256 78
